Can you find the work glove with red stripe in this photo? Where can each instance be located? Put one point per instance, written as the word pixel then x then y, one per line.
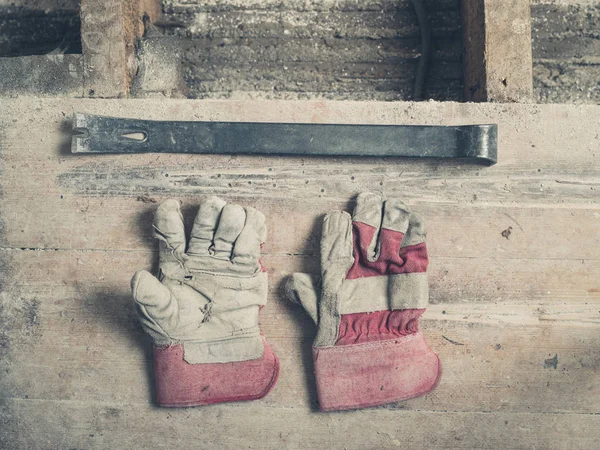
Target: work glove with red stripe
pixel 202 311
pixel 373 288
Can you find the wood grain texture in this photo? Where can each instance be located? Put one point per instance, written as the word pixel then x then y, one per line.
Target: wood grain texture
pixel 497 50
pixel 108 32
pixel 514 276
pixel 103 39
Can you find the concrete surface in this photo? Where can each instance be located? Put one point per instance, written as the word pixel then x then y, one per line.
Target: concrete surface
pixel 566 52
pixel 47 75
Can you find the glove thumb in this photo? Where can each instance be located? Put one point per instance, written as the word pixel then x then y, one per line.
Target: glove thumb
pixel 157 308
pixel 304 289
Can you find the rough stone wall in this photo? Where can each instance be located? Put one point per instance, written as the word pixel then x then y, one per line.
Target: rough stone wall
pixel 345 49
pixel 334 49
pixel 566 52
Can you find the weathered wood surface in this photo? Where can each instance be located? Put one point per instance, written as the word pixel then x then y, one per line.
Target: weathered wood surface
pixel 515 279
pixel 108 32
pixel 497 50
pixel 105 49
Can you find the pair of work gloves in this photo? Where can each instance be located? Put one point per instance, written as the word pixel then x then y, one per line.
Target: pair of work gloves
pixel 202 310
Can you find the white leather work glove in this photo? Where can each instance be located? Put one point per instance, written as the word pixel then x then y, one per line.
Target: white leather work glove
pixel 202 310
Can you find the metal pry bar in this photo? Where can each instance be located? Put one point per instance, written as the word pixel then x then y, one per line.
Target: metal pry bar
pixel 101 134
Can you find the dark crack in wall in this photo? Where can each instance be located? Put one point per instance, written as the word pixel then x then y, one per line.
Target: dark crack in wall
pixel 27 30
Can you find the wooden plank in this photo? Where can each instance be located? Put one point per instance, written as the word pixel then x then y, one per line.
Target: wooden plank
pixel 514 279
pixel 343 23
pixel 534 182
pixel 104 48
pixel 326 6
pixel 493 343
pixel 497 50
pixel 108 32
pixel 123 425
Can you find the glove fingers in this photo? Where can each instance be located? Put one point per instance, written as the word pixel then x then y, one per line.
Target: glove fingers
pixel 368 209
pixel 303 289
pixel 336 239
pixel 393 228
pixel 395 215
pixel 157 307
pixel 416 232
pixel 413 251
pixel 205 225
pixel 246 249
pixel 231 223
pixel 366 219
pixel 168 228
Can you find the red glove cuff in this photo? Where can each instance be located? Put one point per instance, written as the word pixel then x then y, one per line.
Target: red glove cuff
pixel 179 383
pixel 375 373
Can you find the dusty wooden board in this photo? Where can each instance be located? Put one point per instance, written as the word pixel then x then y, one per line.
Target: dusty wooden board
pixel 497 50
pixel 273 428
pixel 515 319
pixel 108 32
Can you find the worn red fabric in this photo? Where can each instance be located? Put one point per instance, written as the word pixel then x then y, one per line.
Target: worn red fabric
pixel 375 373
pixel 392 259
pixel 179 383
pixel 379 357
pixel 359 328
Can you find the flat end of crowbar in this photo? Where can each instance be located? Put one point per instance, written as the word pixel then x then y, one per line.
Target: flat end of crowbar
pixel 81 134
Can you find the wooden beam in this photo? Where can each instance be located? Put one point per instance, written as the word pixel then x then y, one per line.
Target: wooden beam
pixel 497 50
pixel 109 29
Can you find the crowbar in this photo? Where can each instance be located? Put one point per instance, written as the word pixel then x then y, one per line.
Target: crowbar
pixel 101 134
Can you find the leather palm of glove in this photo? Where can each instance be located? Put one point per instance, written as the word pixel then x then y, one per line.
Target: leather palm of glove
pixel 202 311
pixel 373 288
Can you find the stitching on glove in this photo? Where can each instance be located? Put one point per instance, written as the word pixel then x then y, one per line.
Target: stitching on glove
pixel 247 332
pixel 163 237
pixel 224 274
pixel 207 311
